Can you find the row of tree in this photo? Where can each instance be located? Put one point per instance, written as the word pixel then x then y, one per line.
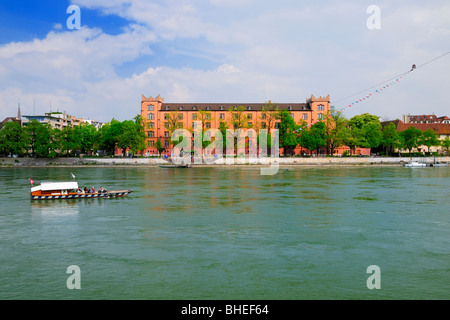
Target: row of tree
pixel 364 131
pixel 41 140
pixel 333 131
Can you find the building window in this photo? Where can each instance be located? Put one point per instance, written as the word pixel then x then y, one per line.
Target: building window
pixel 208 125
pixel 180 125
pixel 208 116
pixel 194 108
pixel 180 116
pixel 320 116
pixel 166 134
pixel 208 108
pixel 221 107
pixel 249 116
pixel 320 107
pixel 151 134
pixel 263 125
pixel 150 107
pixel 263 116
pixel 249 124
pixel 194 116
pixel 151 116
pixel 166 143
pixel 150 143
pixel 292 115
pixel 222 116
pixel 150 125
pixel 305 116
pixel 166 116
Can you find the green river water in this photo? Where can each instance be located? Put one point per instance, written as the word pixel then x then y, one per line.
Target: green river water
pixel 229 233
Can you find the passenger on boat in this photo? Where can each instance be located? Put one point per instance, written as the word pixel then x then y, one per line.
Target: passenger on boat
pixel 101 190
pixel 93 190
pixel 86 190
pixel 78 191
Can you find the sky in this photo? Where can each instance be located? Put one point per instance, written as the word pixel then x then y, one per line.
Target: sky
pixel 230 51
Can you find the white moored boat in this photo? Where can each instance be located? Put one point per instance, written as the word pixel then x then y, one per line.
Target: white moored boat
pixel 70 190
pixel 415 164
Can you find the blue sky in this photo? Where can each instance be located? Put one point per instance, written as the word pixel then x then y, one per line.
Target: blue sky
pixel 221 51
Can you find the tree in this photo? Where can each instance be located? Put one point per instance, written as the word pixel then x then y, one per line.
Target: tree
pixel 31 130
pixel 13 138
pixel 67 141
pixel 109 134
pixel 46 141
pixel 334 126
pixel 269 115
pixel 429 138
pixel 446 144
pixel 390 138
pixel 85 136
pixel 288 135
pixel 313 138
pixel 238 119
pixel 410 138
pixel 172 122
pixel 132 136
pixel 159 146
pixel 366 130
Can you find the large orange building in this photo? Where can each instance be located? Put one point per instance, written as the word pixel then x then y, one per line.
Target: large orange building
pixel 155 113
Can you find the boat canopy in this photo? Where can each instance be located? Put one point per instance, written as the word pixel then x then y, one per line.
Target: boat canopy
pixel 49 186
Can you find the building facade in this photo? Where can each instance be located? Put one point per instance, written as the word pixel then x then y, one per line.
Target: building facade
pixel 156 114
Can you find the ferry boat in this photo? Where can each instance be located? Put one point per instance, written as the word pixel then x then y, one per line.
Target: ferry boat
pixel 70 190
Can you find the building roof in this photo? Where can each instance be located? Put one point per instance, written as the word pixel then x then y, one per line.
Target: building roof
pixel 424 118
pixel 227 106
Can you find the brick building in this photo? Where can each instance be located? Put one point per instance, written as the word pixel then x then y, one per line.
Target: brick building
pixel 155 113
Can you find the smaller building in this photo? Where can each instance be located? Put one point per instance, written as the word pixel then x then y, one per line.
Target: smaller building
pixel 442 129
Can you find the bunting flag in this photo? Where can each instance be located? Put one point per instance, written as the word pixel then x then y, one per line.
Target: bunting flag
pixel 387 84
pixel 31 181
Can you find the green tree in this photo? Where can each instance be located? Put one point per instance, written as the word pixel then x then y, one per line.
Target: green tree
pixel 132 136
pixel 109 135
pixel 13 139
pixel 238 119
pixel 411 138
pixel 313 138
pixel 288 135
pixel 335 123
pixel 445 143
pixel 86 136
pixel 390 138
pixel 67 141
pixel 46 141
pixel 159 146
pixel 31 130
pixel 429 138
pixel 366 130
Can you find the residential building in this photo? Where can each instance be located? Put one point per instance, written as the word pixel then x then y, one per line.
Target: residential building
pixel 442 129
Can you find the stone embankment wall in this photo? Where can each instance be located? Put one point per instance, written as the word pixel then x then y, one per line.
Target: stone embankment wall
pixel 44 162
